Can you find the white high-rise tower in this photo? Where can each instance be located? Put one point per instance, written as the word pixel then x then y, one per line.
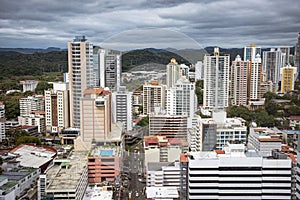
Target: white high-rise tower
pixel 216 81
pixel 81 74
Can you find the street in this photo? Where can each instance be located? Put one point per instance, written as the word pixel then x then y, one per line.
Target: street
pixel 133 171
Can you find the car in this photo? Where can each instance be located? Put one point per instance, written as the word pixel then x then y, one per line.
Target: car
pixel 136 194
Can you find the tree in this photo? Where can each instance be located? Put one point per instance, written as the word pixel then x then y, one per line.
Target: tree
pixel 43 85
pixel 143 122
pixel 28 139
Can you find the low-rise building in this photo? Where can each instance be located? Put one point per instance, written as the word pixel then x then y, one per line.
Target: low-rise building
pixel 15 183
pixel 104 164
pixel 66 179
pixel 264 140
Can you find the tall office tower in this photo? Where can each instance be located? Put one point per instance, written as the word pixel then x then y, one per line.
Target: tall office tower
pixel 297 56
pixel 238 84
pixel 272 62
pixel 255 78
pixel 181 98
pixel 233 174
pixel 154 97
pixel 288 78
pixel 108 67
pixel 57 107
pixel 173 73
pixel 199 71
pixel 216 81
pixel 122 107
pixel 81 74
pixel 31 103
pixel 2 121
pixel 96 119
pixel 250 52
pixel 285 54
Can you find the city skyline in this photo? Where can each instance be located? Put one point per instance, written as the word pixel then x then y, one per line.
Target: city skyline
pixel 134 24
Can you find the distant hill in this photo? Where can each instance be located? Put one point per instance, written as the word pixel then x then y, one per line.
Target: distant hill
pixel 20 64
pixel 142 56
pixel 30 50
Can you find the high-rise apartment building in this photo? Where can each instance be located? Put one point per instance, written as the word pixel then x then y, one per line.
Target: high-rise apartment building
pixel 31 103
pixel 233 174
pixel 96 119
pixel 181 99
pixel 199 71
pixel 81 74
pixel 216 81
pixel 108 68
pixel 122 107
pixel 288 78
pixel 250 52
pixel 57 111
pixel 285 54
pixel 174 73
pixel 238 81
pixel 255 77
pixel 2 121
pixel 273 61
pixel 153 97
pixel 297 56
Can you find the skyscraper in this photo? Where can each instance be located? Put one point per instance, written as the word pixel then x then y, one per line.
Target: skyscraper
pixel 181 99
pixel 273 60
pixel 288 78
pixel 81 74
pixel 216 81
pixel 173 73
pixel 250 52
pixel 297 56
pixel 255 77
pixel 108 67
pixel 238 84
pixel 121 106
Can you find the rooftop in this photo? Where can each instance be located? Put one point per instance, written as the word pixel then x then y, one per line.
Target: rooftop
pixel 67 177
pixel 33 156
pixel 162 192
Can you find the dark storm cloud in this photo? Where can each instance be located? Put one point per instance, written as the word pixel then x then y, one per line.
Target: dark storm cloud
pixel 229 23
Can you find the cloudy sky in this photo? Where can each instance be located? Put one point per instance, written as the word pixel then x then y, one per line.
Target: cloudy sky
pixel 126 24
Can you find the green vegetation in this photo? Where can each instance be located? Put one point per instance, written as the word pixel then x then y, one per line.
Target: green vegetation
pixel 274 113
pixel 143 122
pixel 18 64
pixel 143 56
pixel 27 140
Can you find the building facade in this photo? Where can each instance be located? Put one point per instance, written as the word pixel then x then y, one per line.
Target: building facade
pixel 181 98
pixel 216 81
pixel 255 78
pixel 57 111
pixel 96 116
pixel 273 61
pixel 251 51
pixel 153 97
pixel 239 81
pixel 31 103
pixel 233 174
pixel 288 78
pixel 122 107
pixel 2 121
pixel 81 74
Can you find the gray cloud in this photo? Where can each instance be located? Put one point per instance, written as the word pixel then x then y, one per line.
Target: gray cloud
pixel 228 23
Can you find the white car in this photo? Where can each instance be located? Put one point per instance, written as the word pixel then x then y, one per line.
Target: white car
pixel 137 194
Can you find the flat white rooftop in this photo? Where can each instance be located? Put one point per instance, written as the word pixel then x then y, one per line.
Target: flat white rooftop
pixel 162 192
